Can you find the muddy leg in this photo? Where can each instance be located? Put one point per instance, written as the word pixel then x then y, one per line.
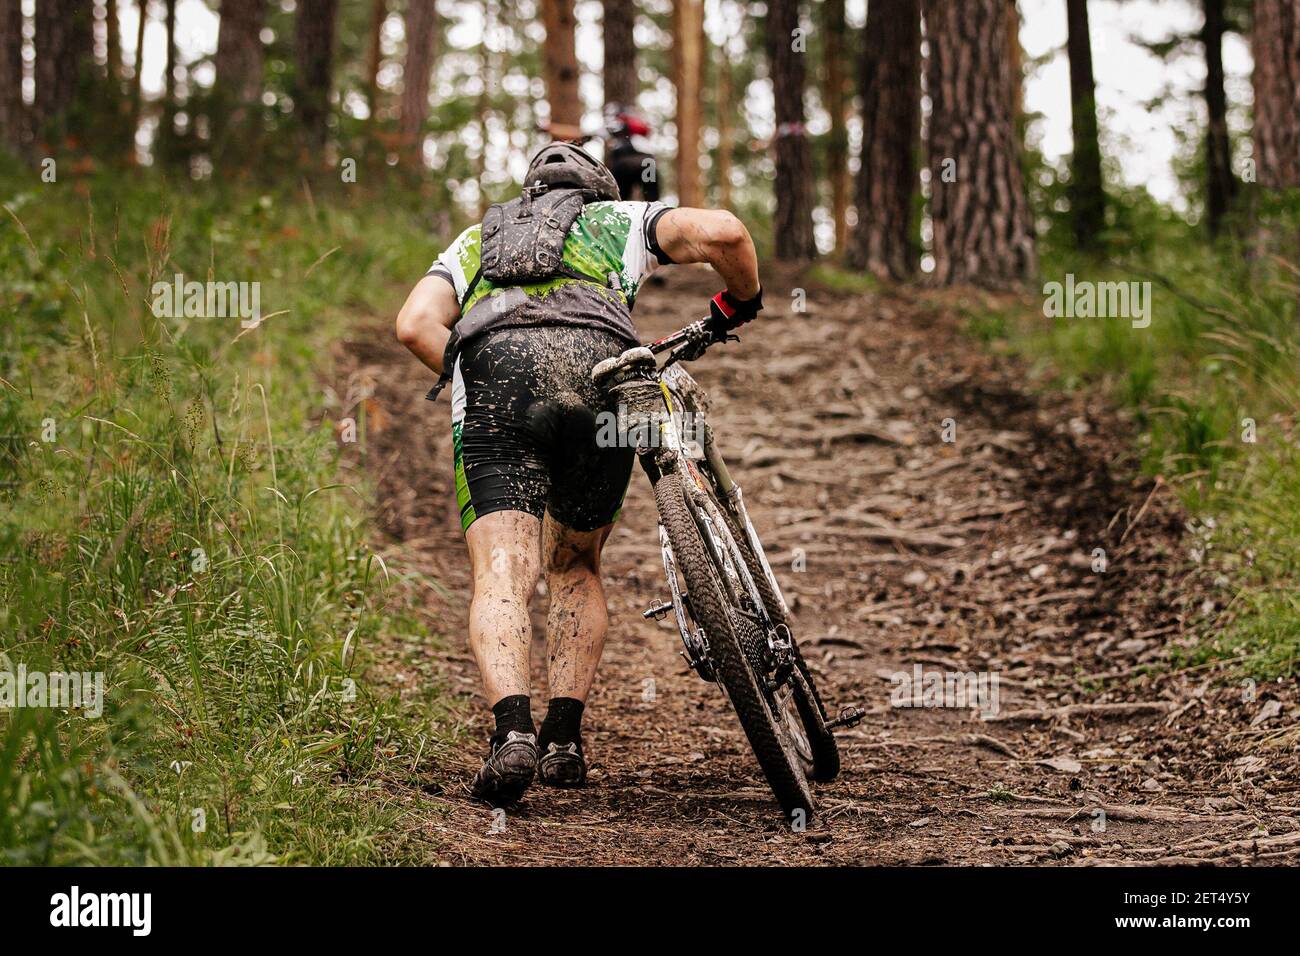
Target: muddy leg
pixel 505 560
pixel 577 620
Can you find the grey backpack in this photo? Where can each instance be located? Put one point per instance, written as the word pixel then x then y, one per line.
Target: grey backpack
pixel 522 242
pixel 523 239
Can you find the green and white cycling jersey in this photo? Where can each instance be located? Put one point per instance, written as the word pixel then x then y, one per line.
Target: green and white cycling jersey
pixel 612 242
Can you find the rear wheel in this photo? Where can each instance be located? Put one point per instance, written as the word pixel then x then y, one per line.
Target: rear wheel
pixel 770 717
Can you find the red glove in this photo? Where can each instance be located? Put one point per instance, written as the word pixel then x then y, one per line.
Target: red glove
pixel 726 312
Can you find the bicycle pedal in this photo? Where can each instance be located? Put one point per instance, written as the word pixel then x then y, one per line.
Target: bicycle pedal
pixel 848 717
pixel 658 611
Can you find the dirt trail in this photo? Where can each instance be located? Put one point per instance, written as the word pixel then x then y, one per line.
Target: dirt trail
pixel 898 549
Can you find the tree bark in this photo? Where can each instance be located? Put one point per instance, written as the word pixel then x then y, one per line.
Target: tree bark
pixel 64 58
pixel 889 81
pixel 561 64
pixel 487 70
pixel 725 128
pixel 237 89
pixel 137 78
pixel 314 61
pixel 837 145
pixel 621 84
pixel 688 67
pixel 1016 58
pixel 982 228
pixel 50 42
pixel 113 43
pixel 1087 196
pixel 1221 184
pixel 1275 43
pixel 165 141
pixel 239 56
pixel 169 67
pixel 374 53
pixel 421 29
pixel 13 114
pixel 792 224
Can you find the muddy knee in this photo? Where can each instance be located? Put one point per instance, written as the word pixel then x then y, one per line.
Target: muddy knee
pixel 571 556
pixel 507 574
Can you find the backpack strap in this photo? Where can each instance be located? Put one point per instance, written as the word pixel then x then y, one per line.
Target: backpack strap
pixel 449 355
pixel 473 284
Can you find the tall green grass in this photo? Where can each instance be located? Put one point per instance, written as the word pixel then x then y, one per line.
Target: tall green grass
pixel 1214 387
pixel 178 515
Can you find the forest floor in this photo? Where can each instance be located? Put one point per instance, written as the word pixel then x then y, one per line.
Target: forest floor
pixel 897 550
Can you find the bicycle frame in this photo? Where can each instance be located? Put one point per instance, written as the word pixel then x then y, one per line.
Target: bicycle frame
pixel 646 393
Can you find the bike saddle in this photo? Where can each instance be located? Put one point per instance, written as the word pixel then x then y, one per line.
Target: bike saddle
pixel 634 358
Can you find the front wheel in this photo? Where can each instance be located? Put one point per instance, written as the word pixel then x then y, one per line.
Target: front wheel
pixel 766 714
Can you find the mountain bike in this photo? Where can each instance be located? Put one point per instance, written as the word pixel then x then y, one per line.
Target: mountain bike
pixel 733 619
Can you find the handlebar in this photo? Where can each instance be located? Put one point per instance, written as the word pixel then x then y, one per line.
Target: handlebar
pixel 686 344
pixel 674 339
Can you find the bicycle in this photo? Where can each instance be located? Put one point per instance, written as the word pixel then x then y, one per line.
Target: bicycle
pixel 729 609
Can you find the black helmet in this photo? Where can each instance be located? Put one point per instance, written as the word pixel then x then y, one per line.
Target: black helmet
pixel 567 165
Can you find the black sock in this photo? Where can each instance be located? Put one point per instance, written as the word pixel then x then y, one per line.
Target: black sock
pixel 563 723
pixel 513 713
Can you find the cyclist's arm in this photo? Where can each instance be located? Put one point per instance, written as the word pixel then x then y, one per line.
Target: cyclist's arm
pixel 425 322
pixel 714 236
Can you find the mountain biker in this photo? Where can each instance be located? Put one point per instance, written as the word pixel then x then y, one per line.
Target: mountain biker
pixel 633 167
pixel 515 313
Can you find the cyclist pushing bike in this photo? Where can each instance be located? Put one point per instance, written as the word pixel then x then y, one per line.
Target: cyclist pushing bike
pixel 514 315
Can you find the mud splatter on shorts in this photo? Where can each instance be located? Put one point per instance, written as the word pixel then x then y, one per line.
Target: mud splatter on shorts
pixel 524 426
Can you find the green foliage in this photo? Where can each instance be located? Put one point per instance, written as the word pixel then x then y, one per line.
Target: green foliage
pixel 180 519
pixel 843 280
pixel 988 326
pixel 1214 385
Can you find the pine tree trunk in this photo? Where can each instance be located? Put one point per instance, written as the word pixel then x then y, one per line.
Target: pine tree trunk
pixel 1016 58
pixel 113 42
pixel 1221 184
pixel 239 56
pixel 165 141
pixel 114 132
pixel 980 213
pixel 792 225
pixel 621 84
pixel 137 71
pixel 486 91
pixel 561 65
pixel 64 58
pixel 725 145
pixel 169 67
pixel 688 67
pixel 374 54
pixel 314 62
pixel 51 37
pixel 889 82
pixel 1087 199
pixel 837 146
pixel 238 87
pixel 421 31
pixel 1275 44
pixel 13 116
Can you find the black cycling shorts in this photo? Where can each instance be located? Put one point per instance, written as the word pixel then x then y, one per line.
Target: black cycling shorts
pixel 525 419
